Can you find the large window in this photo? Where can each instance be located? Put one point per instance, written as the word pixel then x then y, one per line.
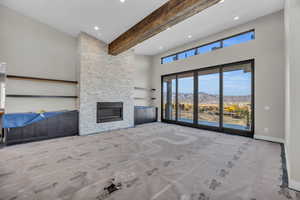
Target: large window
pixel 230 41
pixel 216 98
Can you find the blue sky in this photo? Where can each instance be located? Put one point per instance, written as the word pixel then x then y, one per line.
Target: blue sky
pixel 236 83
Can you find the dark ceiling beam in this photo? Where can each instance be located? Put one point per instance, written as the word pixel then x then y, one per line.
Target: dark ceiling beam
pixel 171 13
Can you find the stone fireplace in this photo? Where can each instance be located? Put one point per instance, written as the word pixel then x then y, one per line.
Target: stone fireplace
pixel 107 79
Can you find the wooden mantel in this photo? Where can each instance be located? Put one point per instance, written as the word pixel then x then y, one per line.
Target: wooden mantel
pixel 171 13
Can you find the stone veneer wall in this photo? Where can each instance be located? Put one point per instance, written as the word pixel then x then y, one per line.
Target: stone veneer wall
pixel 104 78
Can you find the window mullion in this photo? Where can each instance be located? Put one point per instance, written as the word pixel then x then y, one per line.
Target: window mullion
pixel 221 98
pixel 196 89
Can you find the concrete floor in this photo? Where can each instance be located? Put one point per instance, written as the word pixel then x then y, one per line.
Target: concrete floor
pixel 150 162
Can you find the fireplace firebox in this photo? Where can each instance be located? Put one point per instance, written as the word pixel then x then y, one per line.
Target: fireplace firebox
pixel 109 112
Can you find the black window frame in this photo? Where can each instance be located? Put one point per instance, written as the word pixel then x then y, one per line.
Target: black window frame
pixel 221 129
pixel 221 46
pixel 174 55
pixel 196 48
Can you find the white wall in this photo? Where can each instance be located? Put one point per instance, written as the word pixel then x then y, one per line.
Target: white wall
pixel 292 25
pixel 34 49
pixel 267 50
pixel 142 79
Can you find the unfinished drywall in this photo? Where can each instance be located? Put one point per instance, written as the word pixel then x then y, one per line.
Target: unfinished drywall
pixel 104 78
pixel 33 49
pixel 292 32
pixel 267 50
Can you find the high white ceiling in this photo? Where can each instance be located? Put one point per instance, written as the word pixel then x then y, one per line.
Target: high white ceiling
pixel 113 18
pixel 72 16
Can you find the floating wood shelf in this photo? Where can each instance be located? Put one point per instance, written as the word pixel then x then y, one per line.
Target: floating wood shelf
pixel 140 98
pixel 148 89
pixel 39 96
pixel 40 79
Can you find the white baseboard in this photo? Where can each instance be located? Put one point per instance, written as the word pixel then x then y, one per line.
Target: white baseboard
pixel 269 138
pixel 295 185
pixel 287 160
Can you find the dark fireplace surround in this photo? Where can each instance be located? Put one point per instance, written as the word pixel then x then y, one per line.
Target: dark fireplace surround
pixel 109 112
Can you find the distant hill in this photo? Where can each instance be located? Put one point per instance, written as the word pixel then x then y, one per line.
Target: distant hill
pixel 209 98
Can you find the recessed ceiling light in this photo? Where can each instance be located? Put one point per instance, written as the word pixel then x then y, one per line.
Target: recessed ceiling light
pixel 236 18
pixel 222 1
pixel 122 1
pixel 190 36
pixel 96 28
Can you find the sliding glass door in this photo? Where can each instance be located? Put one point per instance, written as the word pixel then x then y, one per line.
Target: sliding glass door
pixel 216 98
pixel 186 97
pixel 237 97
pixel 209 97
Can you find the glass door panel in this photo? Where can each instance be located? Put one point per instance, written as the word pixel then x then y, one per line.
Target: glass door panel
pixel 169 98
pixel 186 97
pixel 237 97
pixel 209 97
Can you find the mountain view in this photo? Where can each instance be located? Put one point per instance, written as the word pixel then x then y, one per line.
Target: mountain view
pixel 211 99
pixel 236 113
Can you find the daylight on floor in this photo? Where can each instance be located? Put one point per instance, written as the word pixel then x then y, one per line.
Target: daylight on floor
pixel 149 100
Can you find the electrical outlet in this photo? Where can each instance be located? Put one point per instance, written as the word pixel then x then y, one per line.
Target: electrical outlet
pixel 266 130
pixel 267 108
